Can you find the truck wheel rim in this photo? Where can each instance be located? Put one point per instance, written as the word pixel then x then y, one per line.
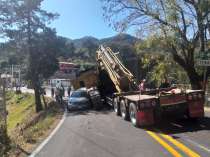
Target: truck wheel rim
pixel 123 110
pixel 115 107
pixel 133 116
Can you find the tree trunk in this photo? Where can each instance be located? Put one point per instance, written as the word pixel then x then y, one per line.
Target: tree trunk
pixel 45 103
pixel 188 66
pixel 37 99
pixel 195 79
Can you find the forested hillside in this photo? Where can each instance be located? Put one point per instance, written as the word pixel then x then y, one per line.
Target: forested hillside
pixel 78 50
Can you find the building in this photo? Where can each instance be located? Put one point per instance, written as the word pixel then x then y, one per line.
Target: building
pixel 67 72
pixel 88 79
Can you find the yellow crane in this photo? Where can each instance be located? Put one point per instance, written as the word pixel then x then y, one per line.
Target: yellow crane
pixel 122 78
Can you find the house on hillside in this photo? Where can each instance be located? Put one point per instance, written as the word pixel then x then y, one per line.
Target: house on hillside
pixel 67 72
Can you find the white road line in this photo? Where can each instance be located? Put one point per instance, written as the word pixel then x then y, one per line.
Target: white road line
pixel 40 147
pixel 198 145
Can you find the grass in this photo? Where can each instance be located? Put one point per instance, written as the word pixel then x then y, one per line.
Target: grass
pixel 26 128
pixel 18 106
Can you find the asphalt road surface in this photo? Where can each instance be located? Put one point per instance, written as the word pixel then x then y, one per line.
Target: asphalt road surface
pixel 103 134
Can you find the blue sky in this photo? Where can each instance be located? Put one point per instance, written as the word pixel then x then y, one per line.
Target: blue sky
pixel 79 18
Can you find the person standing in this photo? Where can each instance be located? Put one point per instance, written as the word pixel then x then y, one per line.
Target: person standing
pixel 52 92
pixel 142 85
pixel 57 94
pixel 69 91
pixel 165 83
pixel 62 90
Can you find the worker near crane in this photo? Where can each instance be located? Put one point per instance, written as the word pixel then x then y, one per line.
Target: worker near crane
pixel 165 83
pixel 142 85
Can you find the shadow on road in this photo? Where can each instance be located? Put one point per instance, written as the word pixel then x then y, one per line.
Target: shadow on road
pixel 167 126
pixel 105 110
pixel 181 126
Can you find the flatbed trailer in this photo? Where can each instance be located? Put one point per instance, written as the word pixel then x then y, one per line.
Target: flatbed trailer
pixel 144 110
pixel 144 107
pixel 137 108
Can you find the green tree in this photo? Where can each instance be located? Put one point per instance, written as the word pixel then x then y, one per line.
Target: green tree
pixel 29 21
pixel 183 26
pixel 158 66
pixel 44 58
pixel 66 49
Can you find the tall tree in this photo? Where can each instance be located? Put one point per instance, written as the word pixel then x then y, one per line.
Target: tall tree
pixel 45 62
pixel 182 25
pixel 29 21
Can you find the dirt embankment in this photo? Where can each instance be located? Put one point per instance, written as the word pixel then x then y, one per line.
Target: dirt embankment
pixel 26 128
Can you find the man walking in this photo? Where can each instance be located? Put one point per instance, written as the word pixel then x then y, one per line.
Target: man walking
pixel 69 91
pixel 52 92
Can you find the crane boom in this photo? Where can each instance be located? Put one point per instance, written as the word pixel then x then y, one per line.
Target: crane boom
pixel 122 78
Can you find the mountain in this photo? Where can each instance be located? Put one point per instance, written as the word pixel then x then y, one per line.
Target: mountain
pixel 79 50
pixel 85 48
pixel 120 38
pixel 78 43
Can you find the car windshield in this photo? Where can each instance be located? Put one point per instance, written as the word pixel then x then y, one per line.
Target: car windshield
pixel 78 94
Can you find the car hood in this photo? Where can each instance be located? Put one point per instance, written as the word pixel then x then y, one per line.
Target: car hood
pixel 75 100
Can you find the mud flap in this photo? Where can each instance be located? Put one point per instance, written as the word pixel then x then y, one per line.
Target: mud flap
pixel 145 117
pixel 196 109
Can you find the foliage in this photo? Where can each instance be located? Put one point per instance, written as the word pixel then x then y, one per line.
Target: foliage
pixel 182 24
pixel 25 126
pixel 31 35
pixel 44 56
pixel 159 66
pixel 157 62
pixel 18 106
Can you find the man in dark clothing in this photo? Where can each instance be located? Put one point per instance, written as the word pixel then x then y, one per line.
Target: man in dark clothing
pixel 52 92
pixel 69 90
pixel 62 90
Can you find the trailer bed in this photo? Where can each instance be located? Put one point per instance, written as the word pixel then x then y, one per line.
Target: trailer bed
pixel 138 97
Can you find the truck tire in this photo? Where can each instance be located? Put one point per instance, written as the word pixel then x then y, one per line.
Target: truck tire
pixel 116 107
pixel 124 110
pixel 133 114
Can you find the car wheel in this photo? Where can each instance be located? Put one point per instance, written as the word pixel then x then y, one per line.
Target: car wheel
pixel 133 114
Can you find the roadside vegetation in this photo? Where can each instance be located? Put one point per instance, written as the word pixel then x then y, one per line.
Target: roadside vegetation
pixel 26 128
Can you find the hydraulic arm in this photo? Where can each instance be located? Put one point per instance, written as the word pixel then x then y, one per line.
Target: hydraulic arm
pixel 122 78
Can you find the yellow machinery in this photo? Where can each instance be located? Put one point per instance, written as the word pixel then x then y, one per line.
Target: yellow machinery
pixel 122 78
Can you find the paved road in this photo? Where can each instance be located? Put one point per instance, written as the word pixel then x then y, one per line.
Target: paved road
pixel 103 134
